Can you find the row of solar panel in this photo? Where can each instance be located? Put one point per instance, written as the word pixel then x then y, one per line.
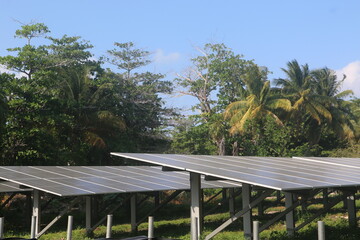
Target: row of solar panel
pixel 270 172
pixel 76 180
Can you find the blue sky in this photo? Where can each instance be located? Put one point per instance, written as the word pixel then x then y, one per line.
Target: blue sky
pixel 318 32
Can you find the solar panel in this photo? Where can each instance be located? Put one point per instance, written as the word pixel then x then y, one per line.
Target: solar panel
pixel 346 162
pixel 6 187
pixel 85 180
pixel 269 172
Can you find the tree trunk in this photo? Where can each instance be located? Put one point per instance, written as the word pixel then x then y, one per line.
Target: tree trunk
pixel 221 146
pixel 235 149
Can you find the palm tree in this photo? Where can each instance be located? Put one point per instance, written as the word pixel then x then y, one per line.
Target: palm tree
pixel 298 88
pixel 327 85
pixel 259 102
pixel 84 98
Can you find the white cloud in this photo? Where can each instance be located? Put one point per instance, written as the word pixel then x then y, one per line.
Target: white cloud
pixel 161 57
pixel 352 81
pixel 3 69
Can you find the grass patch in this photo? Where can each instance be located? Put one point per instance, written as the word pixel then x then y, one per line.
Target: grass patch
pixel 173 222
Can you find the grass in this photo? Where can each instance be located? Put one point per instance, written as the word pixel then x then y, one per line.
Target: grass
pixel 173 222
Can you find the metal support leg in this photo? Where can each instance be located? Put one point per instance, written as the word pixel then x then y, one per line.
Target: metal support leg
pixel 157 198
pixel 133 207
pixel 1 227
pixel 231 201
pixel 325 197
pixel 88 213
pixel 201 224
pixel 278 196
pixel 321 230
pixel 247 217
pixel 28 209
pixel 223 194
pixel 195 185
pixel 36 210
pixel 260 207
pixel 351 207
pixel 256 230
pixel 290 221
pixel 304 205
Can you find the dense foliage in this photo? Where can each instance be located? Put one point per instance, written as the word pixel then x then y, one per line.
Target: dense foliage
pixel 60 105
pixel 305 113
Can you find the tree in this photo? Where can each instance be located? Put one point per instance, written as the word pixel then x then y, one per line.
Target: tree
pixel 137 95
pixel 328 86
pixel 219 72
pixel 83 99
pixel 190 137
pixel 308 106
pixel 37 119
pixel 30 58
pixel 259 103
pixel 298 88
pixel 215 79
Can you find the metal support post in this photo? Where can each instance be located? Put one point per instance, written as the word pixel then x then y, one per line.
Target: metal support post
pixel 247 217
pixel 195 186
pixel 88 213
pixel 157 198
pixel 278 196
pixel 325 197
pixel 151 227
pixel 133 207
pixel 33 227
pixel 28 207
pixel 231 201
pixel 201 209
pixel 290 221
pixel 260 206
pixel 36 210
pixel 304 205
pixel 1 227
pixel 321 230
pixel 256 230
pixel 109 225
pixel 351 207
pixel 69 227
pixel 223 194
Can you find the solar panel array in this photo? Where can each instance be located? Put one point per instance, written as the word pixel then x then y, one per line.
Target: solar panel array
pixel 83 180
pixel 270 172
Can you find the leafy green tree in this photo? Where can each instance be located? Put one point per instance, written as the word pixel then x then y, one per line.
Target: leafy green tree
pixel 137 97
pixel 189 137
pixel 36 119
pixel 28 59
pixel 215 79
pixel 219 72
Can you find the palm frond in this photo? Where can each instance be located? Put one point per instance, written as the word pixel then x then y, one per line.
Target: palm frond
pixel 284 104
